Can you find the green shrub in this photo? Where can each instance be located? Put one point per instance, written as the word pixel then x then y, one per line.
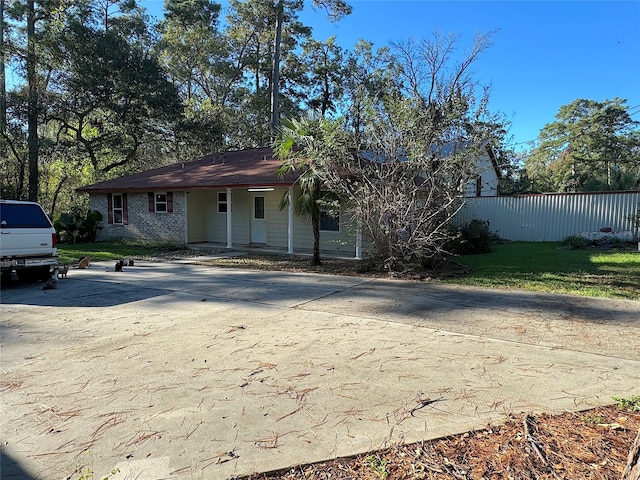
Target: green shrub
pixel 617 243
pixel 474 237
pixel 575 242
pixel 78 226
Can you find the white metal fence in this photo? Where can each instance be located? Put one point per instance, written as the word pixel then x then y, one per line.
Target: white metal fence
pixel 552 217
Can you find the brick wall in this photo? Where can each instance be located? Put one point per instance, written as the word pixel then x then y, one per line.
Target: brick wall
pixel 142 224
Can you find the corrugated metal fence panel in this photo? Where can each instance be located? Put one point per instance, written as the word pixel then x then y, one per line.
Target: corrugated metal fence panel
pixel 552 217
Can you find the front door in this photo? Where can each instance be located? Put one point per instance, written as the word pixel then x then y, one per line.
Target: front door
pixel 258 223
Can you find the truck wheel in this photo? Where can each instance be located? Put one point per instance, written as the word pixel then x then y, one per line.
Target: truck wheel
pixel 35 273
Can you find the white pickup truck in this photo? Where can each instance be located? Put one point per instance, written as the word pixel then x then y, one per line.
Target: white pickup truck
pixel 27 241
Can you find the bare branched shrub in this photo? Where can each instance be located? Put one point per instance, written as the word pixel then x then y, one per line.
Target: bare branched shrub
pixel 403 172
pixel 423 136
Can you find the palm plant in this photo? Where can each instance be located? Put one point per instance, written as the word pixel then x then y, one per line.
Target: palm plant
pixel 298 145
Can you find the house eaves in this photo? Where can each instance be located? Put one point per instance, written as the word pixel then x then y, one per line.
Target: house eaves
pixel 494 161
pixel 235 169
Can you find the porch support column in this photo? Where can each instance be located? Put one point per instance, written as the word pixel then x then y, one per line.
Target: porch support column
pixel 359 240
pixel 186 218
pixel 229 203
pixel 290 222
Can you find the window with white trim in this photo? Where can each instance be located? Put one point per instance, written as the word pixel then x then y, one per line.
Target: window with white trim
pixel 223 205
pixel 117 207
pixel 160 201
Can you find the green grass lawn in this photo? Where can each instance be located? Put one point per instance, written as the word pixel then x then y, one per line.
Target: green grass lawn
pixel 545 267
pixel 105 251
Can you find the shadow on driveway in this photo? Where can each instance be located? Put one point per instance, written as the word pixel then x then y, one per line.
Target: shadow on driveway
pixel 10 469
pixel 102 287
pixel 410 299
pixel 75 293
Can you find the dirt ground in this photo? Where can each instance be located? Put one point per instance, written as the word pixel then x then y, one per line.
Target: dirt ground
pixel 591 445
pixel 335 266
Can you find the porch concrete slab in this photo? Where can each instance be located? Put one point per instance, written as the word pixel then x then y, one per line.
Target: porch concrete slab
pixel 184 371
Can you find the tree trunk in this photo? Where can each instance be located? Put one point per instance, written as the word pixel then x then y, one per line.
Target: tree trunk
pixel 55 195
pixel 275 81
pixel 3 78
pixel 632 470
pixel 21 176
pixel 32 108
pixel 315 225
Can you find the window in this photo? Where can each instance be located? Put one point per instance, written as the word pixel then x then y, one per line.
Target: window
pixel 222 202
pixel 329 222
pixel 160 202
pixel 23 215
pixel 258 208
pixel 478 186
pixel 329 213
pixel 117 208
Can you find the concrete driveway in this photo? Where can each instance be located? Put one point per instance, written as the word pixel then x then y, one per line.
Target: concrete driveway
pixel 180 371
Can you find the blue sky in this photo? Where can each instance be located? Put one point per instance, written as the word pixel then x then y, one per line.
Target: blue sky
pixel 544 54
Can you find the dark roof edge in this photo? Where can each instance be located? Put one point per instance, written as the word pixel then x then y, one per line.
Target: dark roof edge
pixel 89 189
pixel 494 161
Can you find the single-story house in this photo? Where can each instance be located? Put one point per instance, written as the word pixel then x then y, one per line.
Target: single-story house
pixel 231 199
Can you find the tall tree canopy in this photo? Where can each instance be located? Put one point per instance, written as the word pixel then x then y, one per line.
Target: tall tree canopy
pixel 92 96
pixel 111 99
pixel 335 9
pixel 100 91
pixel 590 146
pixel 196 56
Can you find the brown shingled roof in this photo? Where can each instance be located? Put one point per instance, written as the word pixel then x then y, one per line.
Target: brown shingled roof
pixel 241 168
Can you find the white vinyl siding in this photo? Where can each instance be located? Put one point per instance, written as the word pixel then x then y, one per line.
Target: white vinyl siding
pixel 277 226
pixel 197 216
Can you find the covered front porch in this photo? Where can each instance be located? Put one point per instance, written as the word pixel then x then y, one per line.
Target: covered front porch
pixel 250 218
